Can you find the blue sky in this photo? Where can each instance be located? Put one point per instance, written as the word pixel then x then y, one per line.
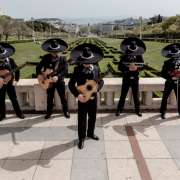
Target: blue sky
pixel 89 8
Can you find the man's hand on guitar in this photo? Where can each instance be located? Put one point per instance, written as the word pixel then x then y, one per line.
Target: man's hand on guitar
pixel 55 79
pixel 81 98
pixel 1 82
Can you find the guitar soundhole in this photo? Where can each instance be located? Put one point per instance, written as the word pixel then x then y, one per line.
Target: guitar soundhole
pixel 89 87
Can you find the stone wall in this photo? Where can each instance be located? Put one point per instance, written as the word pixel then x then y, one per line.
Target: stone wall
pixel 32 97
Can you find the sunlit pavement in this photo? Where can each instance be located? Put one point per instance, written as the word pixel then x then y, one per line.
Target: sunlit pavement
pixel 39 149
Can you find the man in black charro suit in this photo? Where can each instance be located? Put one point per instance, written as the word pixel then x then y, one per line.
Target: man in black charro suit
pixel 130 64
pixel 58 64
pixel 171 72
pixel 7 63
pixel 86 57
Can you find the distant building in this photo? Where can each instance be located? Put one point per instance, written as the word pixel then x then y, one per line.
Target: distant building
pixel 106 28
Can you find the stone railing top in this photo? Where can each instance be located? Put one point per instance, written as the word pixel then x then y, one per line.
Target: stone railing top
pixel 107 81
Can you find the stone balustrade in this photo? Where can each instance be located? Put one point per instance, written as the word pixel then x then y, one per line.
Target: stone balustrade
pixel 32 97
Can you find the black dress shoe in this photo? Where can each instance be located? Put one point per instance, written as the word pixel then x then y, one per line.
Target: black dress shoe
pixel 163 116
pixel 21 116
pixel 139 114
pixel 67 115
pixel 47 116
pixel 2 117
pixel 94 137
pixel 118 112
pixel 81 144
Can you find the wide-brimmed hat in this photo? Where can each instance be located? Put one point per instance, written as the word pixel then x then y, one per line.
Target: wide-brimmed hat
pixel 6 50
pixel 133 46
pixel 86 54
pixel 54 45
pixel 171 50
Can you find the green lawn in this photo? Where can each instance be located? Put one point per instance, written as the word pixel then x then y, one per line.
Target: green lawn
pixel 27 52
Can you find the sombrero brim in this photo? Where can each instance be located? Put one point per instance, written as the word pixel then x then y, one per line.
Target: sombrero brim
pixel 9 50
pixel 46 46
pixel 126 42
pixel 76 53
pixel 166 51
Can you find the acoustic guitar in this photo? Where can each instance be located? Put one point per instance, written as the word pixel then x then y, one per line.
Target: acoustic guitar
pixel 91 86
pixel 45 79
pixel 88 89
pixel 6 75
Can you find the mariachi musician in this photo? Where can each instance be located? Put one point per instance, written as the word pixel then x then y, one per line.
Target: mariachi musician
pixel 56 66
pixel 9 76
pixel 171 72
pixel 84 84
pixel 130 64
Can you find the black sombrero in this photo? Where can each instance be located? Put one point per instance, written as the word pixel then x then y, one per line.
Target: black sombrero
pixel 54 45
pixel 6 50
pixel 171 50
pixel 86 54
pixel 133 46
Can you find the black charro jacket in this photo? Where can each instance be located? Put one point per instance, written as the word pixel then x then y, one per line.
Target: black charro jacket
pixel 168 66
pixel 49 61
pixel 9 64
pixel 130 59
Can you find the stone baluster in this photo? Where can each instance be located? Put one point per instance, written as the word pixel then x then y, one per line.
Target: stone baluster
pixel 22 98
pixel 172 99
pixel 40 98
pixel 130 97
pixel 147 98
pixel 57 101
pixel 99 100
pixel 71 101
pixel 31 99
pixel 109 98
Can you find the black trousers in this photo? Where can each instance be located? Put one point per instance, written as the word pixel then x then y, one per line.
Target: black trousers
pixel 89 108
pixel 10 89
pixel 60 86
pixel 169 86
pixel 126 84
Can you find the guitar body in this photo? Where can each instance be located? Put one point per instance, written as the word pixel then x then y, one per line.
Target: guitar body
pixel 6 75
pixel 88 89
pixel 45 80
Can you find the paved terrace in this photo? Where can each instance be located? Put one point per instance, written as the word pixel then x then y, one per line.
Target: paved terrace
pixel 130 148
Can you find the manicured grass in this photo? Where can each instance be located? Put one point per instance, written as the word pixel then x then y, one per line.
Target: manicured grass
pixel 27 52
